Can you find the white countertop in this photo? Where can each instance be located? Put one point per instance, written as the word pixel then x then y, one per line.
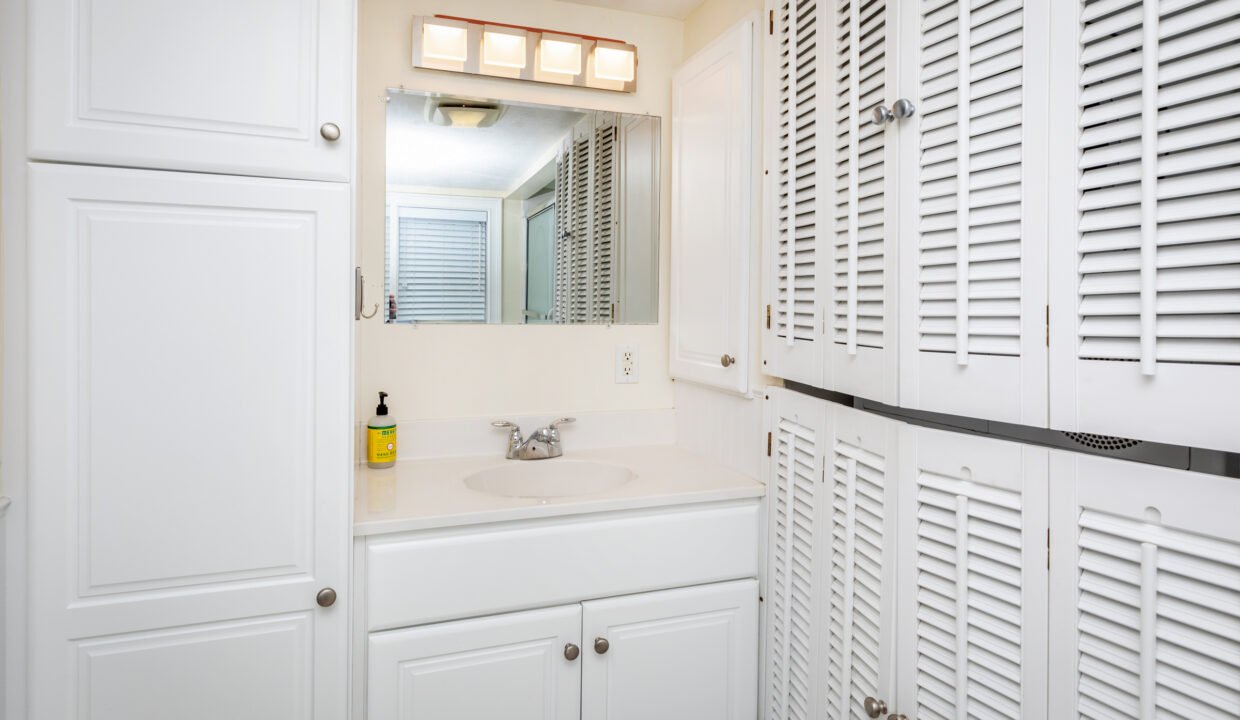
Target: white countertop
pixel 422 494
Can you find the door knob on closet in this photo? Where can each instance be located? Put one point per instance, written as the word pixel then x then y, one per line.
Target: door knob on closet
pixel 326 597
pixel 899 110
pixel 875 708
pixel 601 645
pixel 727 360
pixel 330 132
pixel 571 652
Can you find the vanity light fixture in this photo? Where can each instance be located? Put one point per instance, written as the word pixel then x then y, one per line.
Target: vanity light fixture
pixel 444 41
pixel 503 48
pixel 517 52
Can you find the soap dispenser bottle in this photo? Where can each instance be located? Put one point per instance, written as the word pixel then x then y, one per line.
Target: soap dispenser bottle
pixel 381 437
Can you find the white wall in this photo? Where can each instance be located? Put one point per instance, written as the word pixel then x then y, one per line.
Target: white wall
pixel 711 18
pixel 441 371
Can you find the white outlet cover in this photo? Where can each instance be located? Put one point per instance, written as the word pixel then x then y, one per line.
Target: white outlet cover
pixel 626 365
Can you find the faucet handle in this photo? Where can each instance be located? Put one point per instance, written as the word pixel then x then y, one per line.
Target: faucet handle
pixel 506 424
pixel 562 421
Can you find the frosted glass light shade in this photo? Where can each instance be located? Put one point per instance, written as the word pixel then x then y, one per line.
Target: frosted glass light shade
pixel 445 42
pixel 503 49
pixel 614 63
pixel 559 56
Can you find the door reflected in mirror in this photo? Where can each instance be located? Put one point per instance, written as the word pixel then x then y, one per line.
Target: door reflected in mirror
pixel 518 213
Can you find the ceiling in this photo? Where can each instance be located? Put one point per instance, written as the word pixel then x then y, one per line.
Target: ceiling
pixel 678 9
pixel 491 159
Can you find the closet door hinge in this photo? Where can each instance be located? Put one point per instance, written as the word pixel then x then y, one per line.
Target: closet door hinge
pixel 1048 548
pixel 768 317
pixel 768 444
pixel 770 28
pixel 1048 326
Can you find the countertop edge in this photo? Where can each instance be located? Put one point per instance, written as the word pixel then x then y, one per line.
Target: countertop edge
pixel 535 512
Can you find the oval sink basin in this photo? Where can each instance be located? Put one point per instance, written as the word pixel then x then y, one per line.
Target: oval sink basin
pixel 548 478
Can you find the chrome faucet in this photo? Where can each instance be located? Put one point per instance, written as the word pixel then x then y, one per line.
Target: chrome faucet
pixel 542 444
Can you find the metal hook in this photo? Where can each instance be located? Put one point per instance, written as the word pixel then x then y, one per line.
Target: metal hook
pixel 373 312
pixel 359 292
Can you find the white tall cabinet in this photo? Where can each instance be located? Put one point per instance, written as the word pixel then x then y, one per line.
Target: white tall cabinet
pixel 189 359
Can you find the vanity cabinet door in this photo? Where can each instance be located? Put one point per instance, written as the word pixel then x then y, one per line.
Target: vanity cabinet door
pixel 520 666
pixel 714 213
pixel 228 86
pixel 190 445
pixel 688 654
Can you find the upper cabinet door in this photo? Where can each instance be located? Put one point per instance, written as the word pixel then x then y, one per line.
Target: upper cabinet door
pixel 228 86
pixel 972 583
pixel 1145 275
pixel 973 209
pixel 686 654
pixel 714 189
pixel 1145 604
pixel 190 445
pixel 796 190
pixel 861 261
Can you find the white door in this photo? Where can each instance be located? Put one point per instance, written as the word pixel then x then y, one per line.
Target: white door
pixel 972 588
pixel 1145 605
pixel 687 654
pixel 858 541
pixel 189 445
pixel 714 214
pixel 973 209
pixel 861 261
pixel 1145 235
pixel 228 86
pixel 796 294
pixel 796 502
pixel 521 666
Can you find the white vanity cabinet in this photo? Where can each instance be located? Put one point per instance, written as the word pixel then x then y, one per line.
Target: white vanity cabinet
pixel 647 614
pixel 683 654
pixel 232 86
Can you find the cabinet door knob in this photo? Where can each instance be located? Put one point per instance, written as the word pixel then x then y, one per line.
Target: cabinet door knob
pixel 326 597
pixel 330 132
pixel 601 645
pixel 571 652
pixel 727 360
pixel 875 708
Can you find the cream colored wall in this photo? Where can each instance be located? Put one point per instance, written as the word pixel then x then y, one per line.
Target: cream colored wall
pixel 440 371
pixel 711 18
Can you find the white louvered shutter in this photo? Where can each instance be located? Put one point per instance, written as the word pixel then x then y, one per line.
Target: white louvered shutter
pixel 563 231
pixel 861 263
pixel 603 231
pixel 1146 273
pixel 1145 611
pixel 972 586
pixel 798 133
pixel 973 161
pixel 440 265
pixel 860 550
pixel 796 502
pixel 580 216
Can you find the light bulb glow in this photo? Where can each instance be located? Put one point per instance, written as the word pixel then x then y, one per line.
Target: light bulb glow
pixel 503 49
pixel 445 42
pixel 559 56
pixel 614 63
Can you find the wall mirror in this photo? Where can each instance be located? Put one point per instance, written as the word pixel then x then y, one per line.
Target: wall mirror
pixel 504 212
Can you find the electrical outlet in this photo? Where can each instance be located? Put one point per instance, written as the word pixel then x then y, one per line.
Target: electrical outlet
pixel 626 364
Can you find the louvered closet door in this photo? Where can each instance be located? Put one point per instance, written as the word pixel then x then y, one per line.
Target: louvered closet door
pixel 861 260
pixel 797 190
pixel 860 557
pixel 1145 611
pixel 797 503
pixel 972 582
pixel 1145 281
pixel 973 192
